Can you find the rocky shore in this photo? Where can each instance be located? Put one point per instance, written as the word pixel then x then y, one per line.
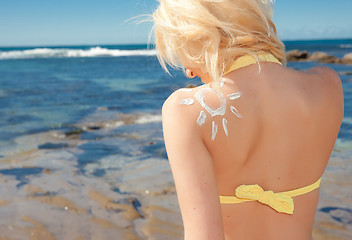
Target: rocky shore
pixel 297 55
pixel 56 188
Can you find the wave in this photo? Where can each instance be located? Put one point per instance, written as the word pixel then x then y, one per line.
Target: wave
pixel 133 119
pixel 73 53
pixel 346 46
pixel 149 119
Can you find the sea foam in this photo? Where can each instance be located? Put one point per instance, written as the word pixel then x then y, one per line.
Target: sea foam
pixel 71 53
pixel 346 46
pixel 149 119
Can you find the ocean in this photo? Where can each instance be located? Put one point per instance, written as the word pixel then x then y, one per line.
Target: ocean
pixel 73 117
pixel 53 88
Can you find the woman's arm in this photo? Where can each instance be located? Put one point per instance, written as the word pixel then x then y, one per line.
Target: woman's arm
pixel 192 168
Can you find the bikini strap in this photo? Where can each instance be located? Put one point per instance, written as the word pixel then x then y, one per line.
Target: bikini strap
pixel 304 190
pixel 246 60
pixel 291 193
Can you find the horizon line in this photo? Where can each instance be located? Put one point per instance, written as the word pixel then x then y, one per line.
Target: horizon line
pixel 135 44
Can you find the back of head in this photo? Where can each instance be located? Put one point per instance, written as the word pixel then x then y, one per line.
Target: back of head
pixel 210 34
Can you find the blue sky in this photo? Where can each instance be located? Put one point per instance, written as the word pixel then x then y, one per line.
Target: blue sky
pixel 74 22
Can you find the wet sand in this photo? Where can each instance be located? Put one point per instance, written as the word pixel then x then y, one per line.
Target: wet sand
pixel 52 186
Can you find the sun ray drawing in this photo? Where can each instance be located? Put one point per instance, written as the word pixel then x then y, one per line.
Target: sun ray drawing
pixel 200 96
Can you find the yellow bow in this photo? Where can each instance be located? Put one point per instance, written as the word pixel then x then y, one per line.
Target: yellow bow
pixel 281 202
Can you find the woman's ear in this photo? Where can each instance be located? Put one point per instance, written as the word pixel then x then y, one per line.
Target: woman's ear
pixel 190 74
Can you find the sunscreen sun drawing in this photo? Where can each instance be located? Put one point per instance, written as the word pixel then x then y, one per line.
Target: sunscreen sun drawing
pixel 200 96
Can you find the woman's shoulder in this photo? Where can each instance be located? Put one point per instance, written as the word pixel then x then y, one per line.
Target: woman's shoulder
pixel 318 84
pixel 328 75
pixel 183 98
pixel 180 97
pixel 175 98
pixel 179 120
pixel 330 84
pixel 180 106
pixel 327 78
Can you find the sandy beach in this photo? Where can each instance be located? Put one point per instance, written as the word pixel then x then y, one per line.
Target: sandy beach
pixel 50 189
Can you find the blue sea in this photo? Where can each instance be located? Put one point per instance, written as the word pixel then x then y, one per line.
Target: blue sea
pixel 81 143
pixel 53 88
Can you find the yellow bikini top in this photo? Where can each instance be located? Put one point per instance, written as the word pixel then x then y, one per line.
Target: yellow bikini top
pixel 248 60
pixel 281 202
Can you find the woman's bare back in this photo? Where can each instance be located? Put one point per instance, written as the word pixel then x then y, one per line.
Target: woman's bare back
pixel 284 140
pixel 275 129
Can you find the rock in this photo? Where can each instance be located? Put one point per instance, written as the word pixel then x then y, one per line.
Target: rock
pixel 347 59
pixel 296 55
pixel 102 109
pixel 46 171
pixel 50 145
pixel 317 56
pixel 345 73
pixel 324 57
pixel 190 85
pixel 93 127
pixel 75 131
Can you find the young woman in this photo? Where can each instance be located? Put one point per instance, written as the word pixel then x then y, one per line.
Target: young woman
pixel 248 148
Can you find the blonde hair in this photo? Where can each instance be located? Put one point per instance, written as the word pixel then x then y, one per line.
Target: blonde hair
pixel 210 34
